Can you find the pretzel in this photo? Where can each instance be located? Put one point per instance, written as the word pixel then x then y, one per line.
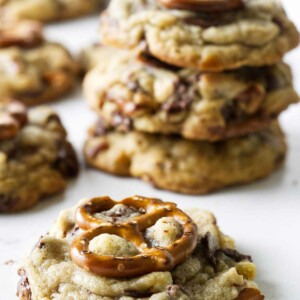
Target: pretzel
pixel 13 116
pixel 23 34
pixel 149 259
pixel 203 5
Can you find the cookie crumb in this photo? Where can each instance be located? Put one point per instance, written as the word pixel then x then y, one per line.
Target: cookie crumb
pixel 9 262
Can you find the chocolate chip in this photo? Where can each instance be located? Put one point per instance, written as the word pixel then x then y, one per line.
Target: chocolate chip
pixel 133 86
pixel 66 161
pixel 274 82
pixel 182 99
pixel 279 22
pixel 75 231
pixel 41 245
pixel 173 290
pixel 100 128
pixel 233 254
pixel 24 290
pixel 210 251
pixel 122 211
pixel 209 248
pixel 231 112
pixel 121 122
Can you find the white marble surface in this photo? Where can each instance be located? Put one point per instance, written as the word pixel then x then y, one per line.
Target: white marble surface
pixel 264 217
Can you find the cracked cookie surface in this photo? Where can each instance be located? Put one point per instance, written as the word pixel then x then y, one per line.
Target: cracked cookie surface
pixel 47 10
pixel 191 167
pixel 213 271
pixel 33 70
pixel 258 34
pixel 35 161
pixel 154 97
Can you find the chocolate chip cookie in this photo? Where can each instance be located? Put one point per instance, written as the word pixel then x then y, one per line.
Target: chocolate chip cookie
pixel 212 270
pixel 33 70
pixel 202 34
pixel 35 157
pixel 179 165
pixel 154 97
pixel 47 10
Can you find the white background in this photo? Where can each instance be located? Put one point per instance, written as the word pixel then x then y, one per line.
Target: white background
pixel 263 217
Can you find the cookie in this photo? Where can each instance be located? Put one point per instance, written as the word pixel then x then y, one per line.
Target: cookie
pixel 156 98
pixel 35 157
pixel 257 33
pixel 47 10
pixel 97 53
pixel 190 167
pixel 212 269
pixel 33 70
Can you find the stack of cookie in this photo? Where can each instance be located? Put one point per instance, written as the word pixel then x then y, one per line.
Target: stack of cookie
pixel 191 105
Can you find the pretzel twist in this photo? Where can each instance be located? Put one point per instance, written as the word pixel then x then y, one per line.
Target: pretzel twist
pixel 203 5
pixel 149 259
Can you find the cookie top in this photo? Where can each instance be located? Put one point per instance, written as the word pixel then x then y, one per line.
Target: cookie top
pixel 180 165
pixel 147 95
pixel 257 33
pixel 35 157
pixel 213 270
pixel 47 10
pixel 28 70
